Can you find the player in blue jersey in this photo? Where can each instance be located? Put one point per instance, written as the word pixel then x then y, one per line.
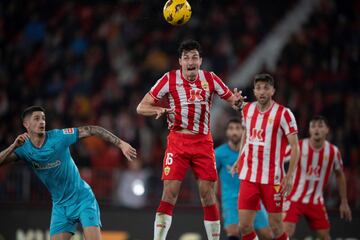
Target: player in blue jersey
pixel 47 154
pixel 226 154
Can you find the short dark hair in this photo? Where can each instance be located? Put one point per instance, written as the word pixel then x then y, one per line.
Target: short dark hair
pixel 189 45
pixel 29 110
pixel 320 118
pixel 264 77
pixel 233 120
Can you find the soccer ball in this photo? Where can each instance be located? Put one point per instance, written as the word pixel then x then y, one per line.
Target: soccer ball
pixel 177 12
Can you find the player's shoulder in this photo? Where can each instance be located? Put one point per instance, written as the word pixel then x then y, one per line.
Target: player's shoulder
pixel 248 105
pixel 332 145
pixel 283 108
pixel 221 149
pixel 63 131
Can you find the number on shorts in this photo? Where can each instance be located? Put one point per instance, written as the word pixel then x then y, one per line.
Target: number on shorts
pixel 169 159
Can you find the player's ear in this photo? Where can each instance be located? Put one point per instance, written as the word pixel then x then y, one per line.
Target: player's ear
pixel 273 91
pixel 26 123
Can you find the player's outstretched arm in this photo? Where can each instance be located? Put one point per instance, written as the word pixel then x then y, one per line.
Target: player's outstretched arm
pixel 127 149
pixel 286 184
pixel 8 155
pixel 147 108
pixel 345 211
pixel 237 101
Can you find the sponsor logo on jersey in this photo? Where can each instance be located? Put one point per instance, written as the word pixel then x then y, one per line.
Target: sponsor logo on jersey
pixel 195 96
pixel 44 166
pixel 68 131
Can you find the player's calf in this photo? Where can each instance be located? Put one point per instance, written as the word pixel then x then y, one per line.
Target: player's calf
pixel 276 225
pixel 323 234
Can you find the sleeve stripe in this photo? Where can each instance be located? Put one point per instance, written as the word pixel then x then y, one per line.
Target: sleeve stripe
pixel 159 86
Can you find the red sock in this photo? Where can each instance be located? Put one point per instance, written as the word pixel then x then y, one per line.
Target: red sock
pixel 249 236
pixel 284 236
pixel 166 208
pixel 211 213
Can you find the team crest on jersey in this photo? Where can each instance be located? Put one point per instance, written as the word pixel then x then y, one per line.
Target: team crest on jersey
pixel 68 131
pixel 271 121
pixel 277 188
pixel 167 170
pixel 205 85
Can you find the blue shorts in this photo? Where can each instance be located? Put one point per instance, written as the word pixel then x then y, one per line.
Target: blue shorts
pixel 231 215
pixel 65 218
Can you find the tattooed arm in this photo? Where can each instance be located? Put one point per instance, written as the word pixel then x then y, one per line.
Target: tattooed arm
pixel 87 131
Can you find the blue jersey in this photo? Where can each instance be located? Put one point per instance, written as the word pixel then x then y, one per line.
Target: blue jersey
pixel 53 164
pixel 225 158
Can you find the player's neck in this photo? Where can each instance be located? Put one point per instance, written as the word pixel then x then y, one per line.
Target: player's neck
pixel 266 106
pixel 234 146
pixel 37 140
pixel 317 145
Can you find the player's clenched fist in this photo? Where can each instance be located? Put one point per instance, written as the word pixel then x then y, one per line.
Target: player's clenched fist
pixel 21 139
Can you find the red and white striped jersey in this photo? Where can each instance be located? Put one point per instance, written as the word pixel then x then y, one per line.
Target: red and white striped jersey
pixel 191 100
pixel 261 159
pixel 313 171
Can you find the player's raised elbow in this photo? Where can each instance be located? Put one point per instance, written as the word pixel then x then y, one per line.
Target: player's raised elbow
pixel 139 109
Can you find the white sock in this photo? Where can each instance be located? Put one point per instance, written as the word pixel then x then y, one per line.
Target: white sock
pixel 161 225
pixel 212 229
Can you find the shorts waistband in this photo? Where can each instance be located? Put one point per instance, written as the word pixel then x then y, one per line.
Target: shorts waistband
pixel 190 136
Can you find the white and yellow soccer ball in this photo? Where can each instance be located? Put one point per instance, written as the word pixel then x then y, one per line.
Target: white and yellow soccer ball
pixel 177 12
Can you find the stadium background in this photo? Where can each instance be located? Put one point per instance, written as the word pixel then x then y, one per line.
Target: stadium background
pixel 90 62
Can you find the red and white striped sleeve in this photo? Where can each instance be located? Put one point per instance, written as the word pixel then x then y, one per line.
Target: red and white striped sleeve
pixel 160 88
pixel 220 88
pixel 338 163
pixel 288 122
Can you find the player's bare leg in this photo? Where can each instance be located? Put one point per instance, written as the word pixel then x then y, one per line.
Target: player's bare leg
pixel 163 216
pixel 246 226
pixel 61 236
pixel 211 212
pixel 92 233
pixel 232 231
pixel 264 233
pixel 277 226
pixel 289 228
pixel 323 234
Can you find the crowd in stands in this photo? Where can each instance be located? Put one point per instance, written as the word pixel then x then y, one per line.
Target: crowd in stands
pixel 91 62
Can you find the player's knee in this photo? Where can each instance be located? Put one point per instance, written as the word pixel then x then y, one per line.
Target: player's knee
pixel 170 195
pixel 207 195
pixel 289 229
pixel 276 226
pixel 245 227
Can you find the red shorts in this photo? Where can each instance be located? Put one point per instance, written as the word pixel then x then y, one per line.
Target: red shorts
pixel 194 150
pixel 251 193
pixel 315 214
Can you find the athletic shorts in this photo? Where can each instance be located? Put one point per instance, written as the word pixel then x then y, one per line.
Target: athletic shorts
pixel 231 215
pixel 65 218
pixel 251 193
pixel 189 150
pixel 315 214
